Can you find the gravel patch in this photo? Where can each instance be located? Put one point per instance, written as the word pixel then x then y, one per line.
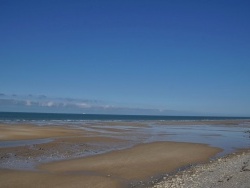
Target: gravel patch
pixel 232 171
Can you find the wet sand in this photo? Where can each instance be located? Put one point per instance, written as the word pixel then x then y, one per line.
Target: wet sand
pixel 114 169
pixel 80 157
pixel 27 132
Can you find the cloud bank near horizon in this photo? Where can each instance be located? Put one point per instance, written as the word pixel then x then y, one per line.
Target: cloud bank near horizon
pixel 43 103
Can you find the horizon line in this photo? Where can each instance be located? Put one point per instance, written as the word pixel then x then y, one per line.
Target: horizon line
pixel 126 114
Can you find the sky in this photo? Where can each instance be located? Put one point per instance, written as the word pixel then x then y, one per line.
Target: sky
pixel 161 57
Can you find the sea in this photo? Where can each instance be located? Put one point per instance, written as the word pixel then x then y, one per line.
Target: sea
pixel 27 116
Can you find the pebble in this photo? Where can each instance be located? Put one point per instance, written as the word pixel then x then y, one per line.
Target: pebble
pixel 221 173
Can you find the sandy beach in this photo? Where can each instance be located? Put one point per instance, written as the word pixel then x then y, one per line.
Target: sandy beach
pixel 75 157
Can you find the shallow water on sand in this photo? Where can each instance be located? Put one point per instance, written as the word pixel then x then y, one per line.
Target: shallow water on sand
pixel 16 143
pixel 228 138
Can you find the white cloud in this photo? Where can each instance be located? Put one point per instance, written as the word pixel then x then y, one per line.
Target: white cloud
pixel 82 105
pixel 107 106
pixel 28 103
pixel 50 104
pixel 42 103
pixel 47 104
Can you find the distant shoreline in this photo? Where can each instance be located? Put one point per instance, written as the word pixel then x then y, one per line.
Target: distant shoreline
pixel 25 116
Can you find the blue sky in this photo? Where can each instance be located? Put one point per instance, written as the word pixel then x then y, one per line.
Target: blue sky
pixel 189 57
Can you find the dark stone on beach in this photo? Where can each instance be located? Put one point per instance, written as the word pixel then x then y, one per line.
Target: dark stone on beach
pixel 230 177
pixel 245 168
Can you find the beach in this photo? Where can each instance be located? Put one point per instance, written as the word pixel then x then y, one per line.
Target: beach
pixel 124 94
pixel 232 171
pixel 119 153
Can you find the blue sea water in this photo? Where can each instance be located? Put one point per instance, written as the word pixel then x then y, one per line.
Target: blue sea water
pixel 22 116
